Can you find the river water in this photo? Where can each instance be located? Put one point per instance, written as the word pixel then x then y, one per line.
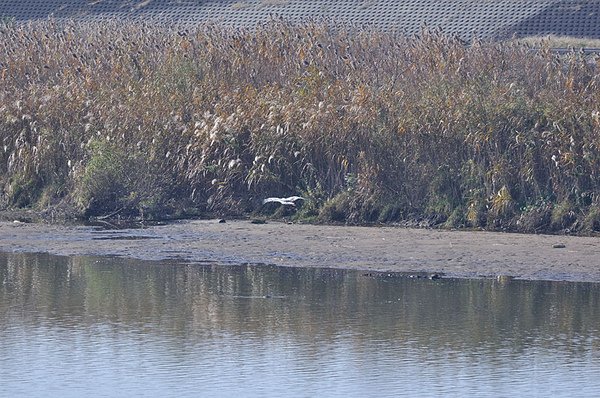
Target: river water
pixel 76 326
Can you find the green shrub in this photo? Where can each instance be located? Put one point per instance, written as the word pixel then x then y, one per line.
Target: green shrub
pixel 563 215
pixel 118 181
pixel 22 191
pixel 592 219
pixel 107 183
pixel 456 219
pixel 336 209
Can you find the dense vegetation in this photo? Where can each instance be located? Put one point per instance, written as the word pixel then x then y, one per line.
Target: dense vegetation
pixel 143 119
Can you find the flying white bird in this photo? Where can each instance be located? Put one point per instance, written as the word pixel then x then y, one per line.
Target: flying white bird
pixel 291 201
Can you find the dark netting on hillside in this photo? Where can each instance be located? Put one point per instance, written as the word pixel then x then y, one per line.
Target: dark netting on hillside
pixel 464 18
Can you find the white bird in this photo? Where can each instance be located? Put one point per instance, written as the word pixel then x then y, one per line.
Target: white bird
pixel 291 201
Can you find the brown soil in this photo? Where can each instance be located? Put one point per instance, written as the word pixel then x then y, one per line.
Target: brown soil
pixel 464 254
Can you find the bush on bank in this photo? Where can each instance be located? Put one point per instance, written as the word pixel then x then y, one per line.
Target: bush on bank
pixel 130 119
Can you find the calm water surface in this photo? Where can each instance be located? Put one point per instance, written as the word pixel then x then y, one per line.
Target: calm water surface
pixel 116 327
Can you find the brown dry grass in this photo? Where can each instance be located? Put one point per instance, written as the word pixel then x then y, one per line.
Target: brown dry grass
pixel 553 41
pixel 130 118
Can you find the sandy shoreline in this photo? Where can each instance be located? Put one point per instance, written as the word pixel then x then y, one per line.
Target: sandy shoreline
pixel 463 254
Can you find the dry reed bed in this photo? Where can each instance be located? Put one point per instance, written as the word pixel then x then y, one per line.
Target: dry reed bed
pixel 131 118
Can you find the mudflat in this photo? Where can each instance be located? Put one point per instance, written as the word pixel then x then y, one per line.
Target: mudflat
pixel 462 254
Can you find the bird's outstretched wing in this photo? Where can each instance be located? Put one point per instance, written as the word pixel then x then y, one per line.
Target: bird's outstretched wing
pixel 291 201
pixel 271 200
pixel 293 198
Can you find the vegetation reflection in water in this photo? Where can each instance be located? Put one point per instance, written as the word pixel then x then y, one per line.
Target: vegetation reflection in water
pixel 298 331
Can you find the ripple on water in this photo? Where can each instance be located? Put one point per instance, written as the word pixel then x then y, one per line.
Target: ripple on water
pixel 106 327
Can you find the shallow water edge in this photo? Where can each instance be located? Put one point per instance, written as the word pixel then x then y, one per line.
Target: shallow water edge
pixel 460 254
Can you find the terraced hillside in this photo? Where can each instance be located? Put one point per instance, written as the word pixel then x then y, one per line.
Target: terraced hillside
pixel 494 19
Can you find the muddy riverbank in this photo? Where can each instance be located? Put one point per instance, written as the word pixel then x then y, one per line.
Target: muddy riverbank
pixel 463 254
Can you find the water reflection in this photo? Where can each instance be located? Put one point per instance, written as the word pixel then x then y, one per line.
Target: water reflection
pixel 182 329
